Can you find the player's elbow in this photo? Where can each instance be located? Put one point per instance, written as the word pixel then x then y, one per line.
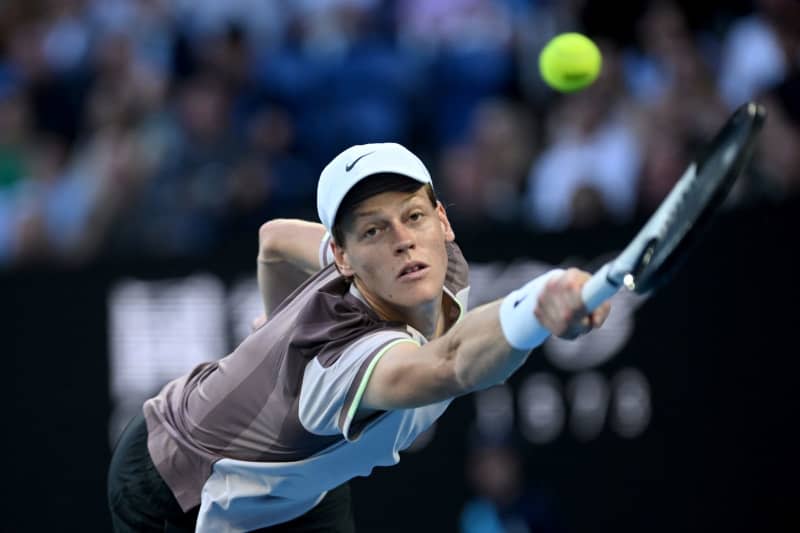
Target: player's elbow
pixel 271 236
pixel 412 387
pixel 440 385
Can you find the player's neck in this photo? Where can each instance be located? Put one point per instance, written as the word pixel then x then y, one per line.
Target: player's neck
pixel 429 321
pixel 427 318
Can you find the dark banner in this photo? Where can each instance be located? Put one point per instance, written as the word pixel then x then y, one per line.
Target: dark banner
pixel 677 416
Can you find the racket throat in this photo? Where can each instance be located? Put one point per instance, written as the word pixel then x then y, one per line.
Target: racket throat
pixel 630 279
pixel 627 273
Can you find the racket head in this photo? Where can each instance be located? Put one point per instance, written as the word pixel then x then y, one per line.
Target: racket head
pixel 691 213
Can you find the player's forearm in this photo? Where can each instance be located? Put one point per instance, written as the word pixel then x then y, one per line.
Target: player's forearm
pixel 481 355
pixel 288 251
pixel 494 340
pixel 276 281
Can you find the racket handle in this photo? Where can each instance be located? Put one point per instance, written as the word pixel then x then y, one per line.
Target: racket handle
pixel 599 288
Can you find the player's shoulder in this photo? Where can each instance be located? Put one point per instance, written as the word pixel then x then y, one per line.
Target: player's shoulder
pixel 330 317
pixel 457 277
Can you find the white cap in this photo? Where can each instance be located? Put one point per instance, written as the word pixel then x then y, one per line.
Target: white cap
pixel 355 164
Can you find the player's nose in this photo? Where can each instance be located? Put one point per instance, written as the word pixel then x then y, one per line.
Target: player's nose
pixel 404 239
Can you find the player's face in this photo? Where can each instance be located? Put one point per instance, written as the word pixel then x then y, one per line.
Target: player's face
pixel 395 249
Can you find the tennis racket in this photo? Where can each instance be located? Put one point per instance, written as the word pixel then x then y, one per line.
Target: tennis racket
pixel 666 239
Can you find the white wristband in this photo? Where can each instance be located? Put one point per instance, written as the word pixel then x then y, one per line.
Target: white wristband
pixel 520 326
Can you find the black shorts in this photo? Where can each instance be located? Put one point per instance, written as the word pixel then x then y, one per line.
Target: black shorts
pixel 140 501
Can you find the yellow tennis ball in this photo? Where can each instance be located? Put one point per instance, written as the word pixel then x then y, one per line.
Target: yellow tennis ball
pixel 570 62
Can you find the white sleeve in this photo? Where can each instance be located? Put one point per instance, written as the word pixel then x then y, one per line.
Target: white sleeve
pixel 332 390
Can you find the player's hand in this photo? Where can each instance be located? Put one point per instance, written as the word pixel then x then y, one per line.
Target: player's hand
pixel 560 307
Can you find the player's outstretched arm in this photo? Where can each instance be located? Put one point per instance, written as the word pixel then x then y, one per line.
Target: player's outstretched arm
pixel 288 251
pixel 485 347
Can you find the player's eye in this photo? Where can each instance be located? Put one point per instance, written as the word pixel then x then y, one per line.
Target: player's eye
pixel 370 232
pixel 416 216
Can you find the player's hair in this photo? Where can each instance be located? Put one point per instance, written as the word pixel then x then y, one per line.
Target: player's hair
pixel 376 184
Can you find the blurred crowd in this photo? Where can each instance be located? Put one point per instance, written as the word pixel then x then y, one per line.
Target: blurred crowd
pixel 164 128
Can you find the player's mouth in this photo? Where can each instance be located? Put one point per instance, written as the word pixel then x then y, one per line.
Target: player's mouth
pixel 413 270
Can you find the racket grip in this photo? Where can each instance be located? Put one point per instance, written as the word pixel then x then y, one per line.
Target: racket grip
pixel 599 288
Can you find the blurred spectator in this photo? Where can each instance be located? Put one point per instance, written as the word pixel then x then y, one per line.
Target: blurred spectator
pixel 14 135
pixel 680 107
pixel 470 46
pixel 372 86
pixel 113 158
pixel 759 50
pixel 263 23
pixel 181 207
pixel 484 177
pixel 589 170
pixel 502 500
pixel 65 39
pixel 53 205
pixel 329 26
pixel 148 24
pixel 779 144
pixel 685 85
pixel 342 79
pixel 666 157
pixel 270 180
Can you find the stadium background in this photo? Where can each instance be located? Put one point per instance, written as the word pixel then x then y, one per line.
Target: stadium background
pixel 142 143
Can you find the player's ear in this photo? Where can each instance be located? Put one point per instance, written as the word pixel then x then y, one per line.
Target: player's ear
pixel 449 234
pixel 340 256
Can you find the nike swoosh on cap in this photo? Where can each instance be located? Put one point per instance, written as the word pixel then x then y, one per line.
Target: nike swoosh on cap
pixel 349 167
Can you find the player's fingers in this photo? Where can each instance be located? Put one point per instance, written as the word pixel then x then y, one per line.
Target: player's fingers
pixel 560 308
pixel 600 314
pixel 575 277
pixel 547 317
pixel 578 326
pixel 554 314
pixel 562 318
pixel 572 285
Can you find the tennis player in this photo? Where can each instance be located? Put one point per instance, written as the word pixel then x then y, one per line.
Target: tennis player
pixel 349 369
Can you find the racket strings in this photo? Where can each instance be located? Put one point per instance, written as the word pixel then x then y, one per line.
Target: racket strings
pixel 698 195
